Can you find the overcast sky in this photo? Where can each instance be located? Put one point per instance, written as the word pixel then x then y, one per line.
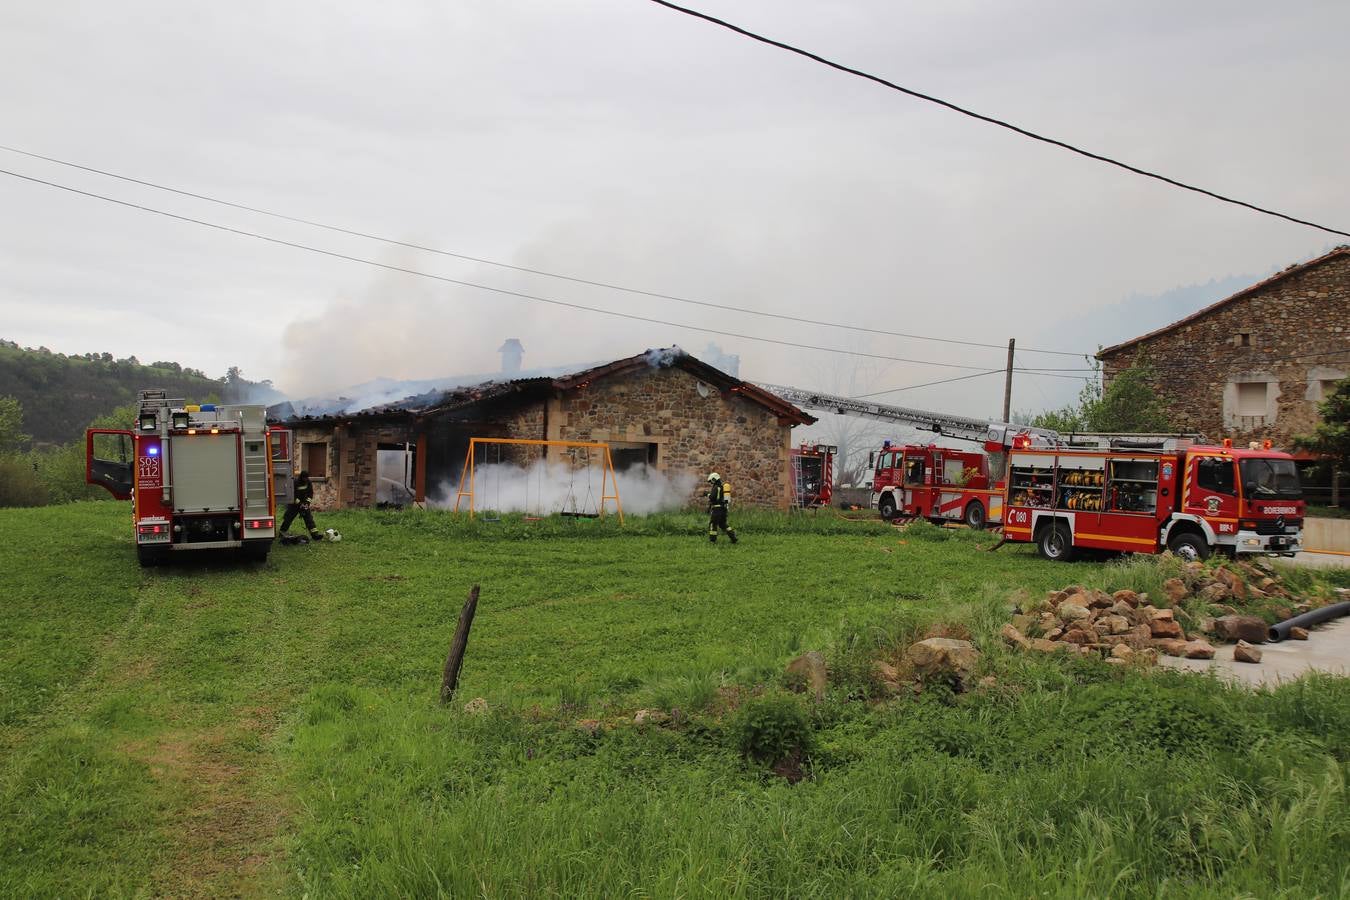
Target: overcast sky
pixel 618 141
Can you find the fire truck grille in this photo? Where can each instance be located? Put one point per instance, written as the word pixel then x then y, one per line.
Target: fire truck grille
pixel 1280 526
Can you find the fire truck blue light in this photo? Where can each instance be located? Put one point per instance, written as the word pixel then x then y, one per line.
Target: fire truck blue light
pixel 153 451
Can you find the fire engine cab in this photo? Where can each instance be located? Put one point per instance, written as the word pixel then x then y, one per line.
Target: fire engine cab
pixel 199 477
pixel 936 483
pixel 1189 499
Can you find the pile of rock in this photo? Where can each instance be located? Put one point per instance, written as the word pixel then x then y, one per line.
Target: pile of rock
pixel 1126 626
pixel 1121 627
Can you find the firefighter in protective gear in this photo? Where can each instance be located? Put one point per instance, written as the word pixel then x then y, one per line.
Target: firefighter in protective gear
pixel 719 499
pixel 304 496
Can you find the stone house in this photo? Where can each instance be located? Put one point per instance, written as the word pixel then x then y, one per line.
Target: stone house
pixel 1255 365
pixel 663 409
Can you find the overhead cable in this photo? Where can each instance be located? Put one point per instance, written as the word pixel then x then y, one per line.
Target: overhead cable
pixel 992 121
pixel 525 269
pixel 470 284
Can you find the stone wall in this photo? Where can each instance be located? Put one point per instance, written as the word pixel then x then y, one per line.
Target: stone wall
pixel 1255 368
pixel 352 457
pixel 696 428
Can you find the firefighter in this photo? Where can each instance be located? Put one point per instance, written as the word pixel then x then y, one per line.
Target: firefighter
pixel 719 498
pixel 304 496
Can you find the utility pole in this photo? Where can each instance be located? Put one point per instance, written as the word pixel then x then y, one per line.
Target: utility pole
pixel 1007 382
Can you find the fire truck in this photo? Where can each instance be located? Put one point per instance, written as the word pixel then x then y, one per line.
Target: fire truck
pixel 935 483
pixel 1191 499
pixel 812 474
pixel 932 482
pixel 200 477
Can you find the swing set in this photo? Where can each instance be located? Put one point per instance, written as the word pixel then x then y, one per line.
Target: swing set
pixel 571 507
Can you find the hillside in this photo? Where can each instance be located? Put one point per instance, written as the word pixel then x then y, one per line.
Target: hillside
pixel 61 394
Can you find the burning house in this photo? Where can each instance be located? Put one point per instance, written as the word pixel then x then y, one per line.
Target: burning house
pixel 663 411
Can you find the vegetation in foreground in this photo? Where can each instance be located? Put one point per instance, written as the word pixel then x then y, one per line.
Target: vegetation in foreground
pixel 215 729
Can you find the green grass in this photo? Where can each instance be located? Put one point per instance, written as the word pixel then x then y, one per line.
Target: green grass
pixel 215 728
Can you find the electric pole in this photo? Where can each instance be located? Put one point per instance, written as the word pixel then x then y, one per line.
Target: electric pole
pixel 1007 382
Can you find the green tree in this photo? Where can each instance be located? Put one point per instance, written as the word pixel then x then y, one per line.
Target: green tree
pixel 12 438
pixel 1331 437
pixel 1129 403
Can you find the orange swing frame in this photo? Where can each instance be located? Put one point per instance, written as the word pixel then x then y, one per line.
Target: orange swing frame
pixel 608 477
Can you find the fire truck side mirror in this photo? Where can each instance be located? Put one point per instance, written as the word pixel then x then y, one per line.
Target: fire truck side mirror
pixel 872 459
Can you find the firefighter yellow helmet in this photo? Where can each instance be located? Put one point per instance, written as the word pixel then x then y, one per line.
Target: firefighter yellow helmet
pixel 714 477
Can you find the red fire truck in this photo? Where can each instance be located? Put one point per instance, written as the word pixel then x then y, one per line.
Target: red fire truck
pixel 199 477
pixel 1189 499
pixel 935 483
pixel 812 474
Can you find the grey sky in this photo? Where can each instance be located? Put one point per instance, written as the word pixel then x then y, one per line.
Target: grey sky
pixel 621 142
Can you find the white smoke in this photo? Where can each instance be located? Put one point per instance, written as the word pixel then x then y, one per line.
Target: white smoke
pixel 551 488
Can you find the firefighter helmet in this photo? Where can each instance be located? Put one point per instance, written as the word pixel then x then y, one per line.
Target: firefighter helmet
pixel 714 477
pixel 333 534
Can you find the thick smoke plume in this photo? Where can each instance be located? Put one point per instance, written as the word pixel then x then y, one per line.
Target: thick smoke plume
pixel 549 488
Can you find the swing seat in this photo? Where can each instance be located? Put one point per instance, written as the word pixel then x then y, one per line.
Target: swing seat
pixel 573 514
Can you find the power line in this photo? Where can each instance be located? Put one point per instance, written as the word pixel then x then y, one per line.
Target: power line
pixel 989 119
pixel 469 284
pixel 490 262
pixel 925 384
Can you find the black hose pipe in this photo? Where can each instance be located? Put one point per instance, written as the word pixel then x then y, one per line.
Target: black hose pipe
pixel 1280 631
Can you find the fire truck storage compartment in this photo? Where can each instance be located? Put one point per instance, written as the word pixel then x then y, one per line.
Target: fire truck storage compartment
pixel 1134 485
pixel 198 463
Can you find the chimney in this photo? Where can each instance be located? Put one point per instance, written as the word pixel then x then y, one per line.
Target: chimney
pixel 511 353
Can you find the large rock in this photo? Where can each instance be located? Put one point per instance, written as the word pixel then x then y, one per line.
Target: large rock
pixel 1083 637
pixel 943 656
pixel 1298 634
pixel 1215 593
pixel 1230 580
pixel 1115 624
pixel 1251 629
pixel 1122 651
pixel 1199 650
pixel 1171 646
pixel 1014 637
pixel 1072 612
pixel 809 670
pixel 1023 622
pixel 1127 597
pixel 1042 645
pixel 1100 600
pixel 1175 589
pixel 1165 628
pixel 1245 652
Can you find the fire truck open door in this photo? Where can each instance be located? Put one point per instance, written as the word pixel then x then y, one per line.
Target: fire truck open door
pixel 108 461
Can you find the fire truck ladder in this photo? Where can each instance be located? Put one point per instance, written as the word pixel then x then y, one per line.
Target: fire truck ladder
pixel 976 430
pixel 958 427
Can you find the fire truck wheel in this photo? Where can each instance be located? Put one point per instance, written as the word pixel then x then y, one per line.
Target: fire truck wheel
pixel 1055 543
pixel 974 517
pixel 886 506
pixel 1189 546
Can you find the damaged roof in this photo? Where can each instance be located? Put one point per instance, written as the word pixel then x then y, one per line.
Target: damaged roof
pixel 527 389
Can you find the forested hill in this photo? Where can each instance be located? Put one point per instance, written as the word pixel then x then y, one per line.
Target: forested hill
pixel 60 395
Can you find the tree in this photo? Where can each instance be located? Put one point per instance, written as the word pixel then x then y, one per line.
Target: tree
pixel 1129 403
pixel 12 438
pixel 1331 437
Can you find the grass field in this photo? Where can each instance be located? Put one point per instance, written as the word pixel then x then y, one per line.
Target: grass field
pixel 225 729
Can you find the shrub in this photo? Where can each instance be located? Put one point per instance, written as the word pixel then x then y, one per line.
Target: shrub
pixel 772 727
pixel 20 484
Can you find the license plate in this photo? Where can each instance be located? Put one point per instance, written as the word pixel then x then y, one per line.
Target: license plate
pixel 1278 542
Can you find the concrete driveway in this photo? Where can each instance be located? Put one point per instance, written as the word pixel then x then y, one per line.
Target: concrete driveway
pixel 1327 649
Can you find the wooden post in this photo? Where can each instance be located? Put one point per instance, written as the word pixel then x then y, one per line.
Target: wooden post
pixel 1007 381
pixel 450 677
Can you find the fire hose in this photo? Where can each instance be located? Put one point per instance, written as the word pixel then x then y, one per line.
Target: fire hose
pixel 1280 631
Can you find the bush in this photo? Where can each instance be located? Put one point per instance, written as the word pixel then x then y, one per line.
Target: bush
pixel 772 727
pixel 19 483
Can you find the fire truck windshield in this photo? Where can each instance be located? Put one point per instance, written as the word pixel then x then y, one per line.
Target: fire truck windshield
pixel 1270 479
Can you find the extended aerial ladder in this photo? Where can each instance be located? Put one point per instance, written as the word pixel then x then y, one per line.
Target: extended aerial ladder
pixel 997 437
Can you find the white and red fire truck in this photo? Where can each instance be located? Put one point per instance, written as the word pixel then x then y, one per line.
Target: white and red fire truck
pixel 1186 498
pixel 812 474
pixel 935 483
pixel 200 477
